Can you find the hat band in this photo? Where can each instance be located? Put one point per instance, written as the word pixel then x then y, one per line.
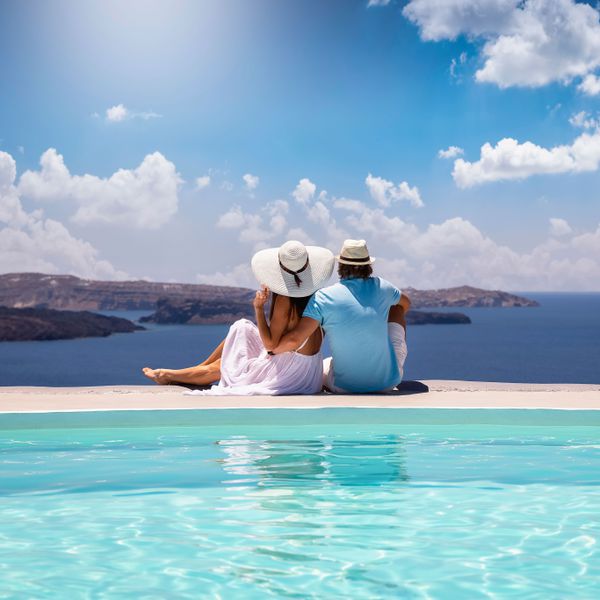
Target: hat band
pixel 355 260
pixel 295 273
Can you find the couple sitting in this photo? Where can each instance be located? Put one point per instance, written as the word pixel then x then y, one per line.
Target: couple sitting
pixel 363 317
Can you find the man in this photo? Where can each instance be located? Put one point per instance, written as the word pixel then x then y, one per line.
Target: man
pixel 364 319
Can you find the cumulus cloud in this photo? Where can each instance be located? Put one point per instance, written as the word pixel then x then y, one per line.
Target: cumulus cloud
pixel 144 197
pixel 238 276
pixel 451 152
pixel 119 112
pixel 590 85
pixel 251 181
pixel 527 43
pixel 453 252
pixel 257 228
pixel 30 242
pixel 378 3
pixel 559 227
pixel 384 192
pixel 202 182
pixel 304 191
pixel 509 159
pixel 584 120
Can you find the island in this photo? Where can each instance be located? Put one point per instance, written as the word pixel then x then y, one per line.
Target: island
pixel 36 324
pixel 196 312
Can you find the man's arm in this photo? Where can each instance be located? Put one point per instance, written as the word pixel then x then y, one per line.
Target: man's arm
pixel 404 302
pixel 292 340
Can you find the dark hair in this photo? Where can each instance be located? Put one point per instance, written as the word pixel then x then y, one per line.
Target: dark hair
pixel 298 304
pixel 354 271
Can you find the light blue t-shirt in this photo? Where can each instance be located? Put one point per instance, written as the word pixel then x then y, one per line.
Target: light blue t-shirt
pixel 354 314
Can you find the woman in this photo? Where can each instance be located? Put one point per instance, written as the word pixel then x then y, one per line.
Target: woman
pixel 242 365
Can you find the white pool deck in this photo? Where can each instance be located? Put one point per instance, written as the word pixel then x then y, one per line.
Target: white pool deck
pixel 442 394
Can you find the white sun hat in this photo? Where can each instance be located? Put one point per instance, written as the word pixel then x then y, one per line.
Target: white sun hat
pixel 293 270
pixel 355 252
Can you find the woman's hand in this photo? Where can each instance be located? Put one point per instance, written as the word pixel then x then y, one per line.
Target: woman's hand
pixel 261 297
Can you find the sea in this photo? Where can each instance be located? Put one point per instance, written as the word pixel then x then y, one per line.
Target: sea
pixel 557 342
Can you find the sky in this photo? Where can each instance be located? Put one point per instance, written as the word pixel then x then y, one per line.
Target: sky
pixel 170 140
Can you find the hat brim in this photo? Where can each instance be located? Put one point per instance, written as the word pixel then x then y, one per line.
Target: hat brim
pixel 266 269
pixel 368 261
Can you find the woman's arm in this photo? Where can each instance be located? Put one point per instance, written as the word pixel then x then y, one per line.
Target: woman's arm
pixel 293 339
pixel 271 333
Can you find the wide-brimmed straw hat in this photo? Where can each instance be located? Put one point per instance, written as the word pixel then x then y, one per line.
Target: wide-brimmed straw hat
pixel 355 252
pixel 293 270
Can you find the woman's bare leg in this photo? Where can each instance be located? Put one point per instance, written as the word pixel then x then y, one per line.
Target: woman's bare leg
pixel 198 375
pixel 216 354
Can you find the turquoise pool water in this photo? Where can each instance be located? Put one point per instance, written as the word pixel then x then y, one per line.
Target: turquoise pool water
pixel 333 503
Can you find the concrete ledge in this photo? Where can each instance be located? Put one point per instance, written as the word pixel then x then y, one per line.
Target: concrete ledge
pixel 442 394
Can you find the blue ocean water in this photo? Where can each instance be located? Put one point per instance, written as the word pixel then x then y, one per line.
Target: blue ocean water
pixel 315 506
pixel 557 342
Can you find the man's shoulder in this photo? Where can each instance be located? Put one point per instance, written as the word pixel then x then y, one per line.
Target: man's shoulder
pixel 384 283
pixel 329 290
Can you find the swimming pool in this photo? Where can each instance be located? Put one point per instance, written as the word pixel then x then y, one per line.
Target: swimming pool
pixel 329 503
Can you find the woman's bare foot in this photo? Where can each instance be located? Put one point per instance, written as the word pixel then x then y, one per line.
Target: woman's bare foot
pixel 159 376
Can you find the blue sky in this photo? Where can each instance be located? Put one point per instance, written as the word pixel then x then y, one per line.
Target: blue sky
pixel 328 93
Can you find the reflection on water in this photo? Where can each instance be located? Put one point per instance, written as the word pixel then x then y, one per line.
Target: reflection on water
pixel 378 461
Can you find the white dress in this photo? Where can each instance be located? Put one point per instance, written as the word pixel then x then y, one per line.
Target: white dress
pixel 247 369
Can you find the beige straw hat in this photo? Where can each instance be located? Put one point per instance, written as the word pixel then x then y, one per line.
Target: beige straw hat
pixel 293 270
pixel 355 252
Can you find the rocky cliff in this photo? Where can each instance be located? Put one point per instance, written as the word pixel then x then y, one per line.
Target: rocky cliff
pixel 66 292
pixel 22 324
pixel 20 290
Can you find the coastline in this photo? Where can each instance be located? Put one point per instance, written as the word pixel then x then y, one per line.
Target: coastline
pixel 442 394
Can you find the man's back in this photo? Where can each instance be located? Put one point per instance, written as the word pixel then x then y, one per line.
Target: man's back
pixel 354 314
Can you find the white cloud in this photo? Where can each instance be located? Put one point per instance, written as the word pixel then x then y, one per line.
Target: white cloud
pixel 451 253
pixel 29 242
pixel 559 227
pixel 304 191
pixel 456 64
pixel 239 276
pixel 455 252
pixel 526 43
pixel 251 181
pixel 119 112
pixel 584 120
pixel 378 3
pixel 257 228
pixel 510 159
pixel 384 192
pixel 144 197
pixel 590 85
pixel 297 233
pixel 451 152
pixel 202 182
